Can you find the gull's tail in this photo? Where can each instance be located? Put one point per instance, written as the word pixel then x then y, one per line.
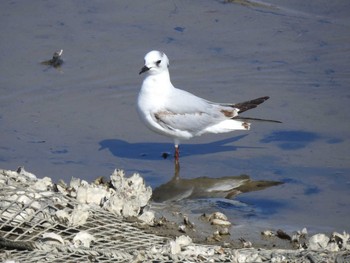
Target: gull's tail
pixel 251 104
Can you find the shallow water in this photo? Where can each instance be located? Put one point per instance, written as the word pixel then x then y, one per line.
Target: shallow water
pixel 81 120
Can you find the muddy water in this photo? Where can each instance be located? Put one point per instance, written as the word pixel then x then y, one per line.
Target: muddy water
pixel 81 121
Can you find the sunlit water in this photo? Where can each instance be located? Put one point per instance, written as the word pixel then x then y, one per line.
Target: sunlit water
pixel 81 120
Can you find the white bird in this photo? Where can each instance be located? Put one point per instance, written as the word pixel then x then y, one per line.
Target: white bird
pixel 181 115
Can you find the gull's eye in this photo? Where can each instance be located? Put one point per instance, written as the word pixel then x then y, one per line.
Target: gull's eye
pixel 158 62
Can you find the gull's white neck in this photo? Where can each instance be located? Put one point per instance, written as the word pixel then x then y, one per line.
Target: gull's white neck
pixel 160 81
pixel 154 91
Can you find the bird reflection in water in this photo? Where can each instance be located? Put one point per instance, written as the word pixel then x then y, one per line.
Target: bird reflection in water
pixel 205 187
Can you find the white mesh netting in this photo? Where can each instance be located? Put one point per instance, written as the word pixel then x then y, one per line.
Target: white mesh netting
pixel 31 223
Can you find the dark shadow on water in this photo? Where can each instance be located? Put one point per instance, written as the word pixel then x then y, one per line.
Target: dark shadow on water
pixel 309 189
pixel 291 140
pixel 154 151
pixel 295 140
pixel 312 190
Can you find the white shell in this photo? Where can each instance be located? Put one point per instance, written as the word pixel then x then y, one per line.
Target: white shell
pixel 75 183
pixel 220 222
pixel 318 242
pixel 332 247
pixel 179 243
pixel 303 231
pixel 217 215
pixel 43 184
pixel 130 194
pixel 79 215
pixel 62 216
pixel 84 239
pixel 182 228
pixel 26 174
pixel 224 231
pixel 267 233
pixel 91 194
pixel 147 217
pixel 343 237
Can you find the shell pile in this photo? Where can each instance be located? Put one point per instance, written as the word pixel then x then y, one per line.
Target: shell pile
pixel 121 195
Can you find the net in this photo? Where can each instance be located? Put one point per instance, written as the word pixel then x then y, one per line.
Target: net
pixel 44 222
pixel 32 230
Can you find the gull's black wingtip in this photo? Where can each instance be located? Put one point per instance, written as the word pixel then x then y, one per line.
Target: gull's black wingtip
pixel 250 104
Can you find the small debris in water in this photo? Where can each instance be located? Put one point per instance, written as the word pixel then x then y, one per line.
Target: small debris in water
pixel 165 155
pixel 56 60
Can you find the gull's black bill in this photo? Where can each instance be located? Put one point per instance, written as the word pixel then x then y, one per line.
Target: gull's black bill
pixel 144 69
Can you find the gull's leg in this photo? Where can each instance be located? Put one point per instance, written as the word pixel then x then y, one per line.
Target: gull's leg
pixel 177 153
pixel 177 161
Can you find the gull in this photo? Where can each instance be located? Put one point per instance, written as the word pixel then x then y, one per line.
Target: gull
pixel 181 115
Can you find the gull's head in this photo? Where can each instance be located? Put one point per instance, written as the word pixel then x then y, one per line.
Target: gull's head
pixel 155 62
